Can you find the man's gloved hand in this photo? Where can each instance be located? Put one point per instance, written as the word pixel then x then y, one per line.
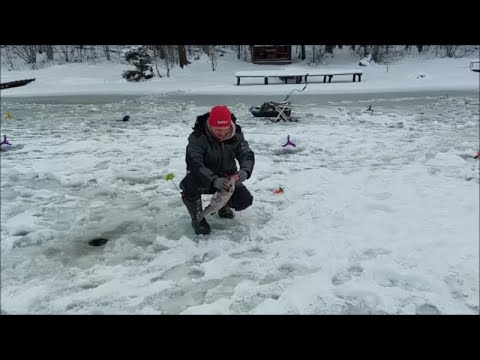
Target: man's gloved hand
pixel 242 176
pixel 221 183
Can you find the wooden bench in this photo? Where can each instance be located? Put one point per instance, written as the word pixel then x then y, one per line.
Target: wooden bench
pixel 331 73
pixel 284 75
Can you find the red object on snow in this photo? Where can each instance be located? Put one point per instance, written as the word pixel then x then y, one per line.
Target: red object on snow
pixel 478 155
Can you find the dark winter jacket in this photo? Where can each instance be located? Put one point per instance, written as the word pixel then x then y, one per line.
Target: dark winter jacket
pixel 208 158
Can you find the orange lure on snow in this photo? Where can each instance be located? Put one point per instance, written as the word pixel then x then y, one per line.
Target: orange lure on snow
pixel 278 191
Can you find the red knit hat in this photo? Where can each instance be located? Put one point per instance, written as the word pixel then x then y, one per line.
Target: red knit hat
pixel 220 116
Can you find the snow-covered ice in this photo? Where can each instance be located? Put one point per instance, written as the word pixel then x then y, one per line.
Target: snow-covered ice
pixel 379 212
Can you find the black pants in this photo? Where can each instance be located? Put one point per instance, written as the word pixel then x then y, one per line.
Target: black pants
pixel 192 189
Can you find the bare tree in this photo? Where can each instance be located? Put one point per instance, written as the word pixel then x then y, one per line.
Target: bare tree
pixel 318 52
pixel 389 57
pixel 247 55
pixel 361 50
pixel 7 54
pixel 155 51
pixel 457 51
pixel 376 53
pixel 213 56
pixel 468 50
pixel 182 56
pixel 170 52
pixel 28 53
pixel 303 56
pixel 94 51
pixel 250 50
pixel 106 49
pixel 382 55
pixel 163 54
pixel 329 49
pixel 365 50
pixel 242 51
pixel 80 52
pixel 49 50
pixel 65 51
pixel 450 50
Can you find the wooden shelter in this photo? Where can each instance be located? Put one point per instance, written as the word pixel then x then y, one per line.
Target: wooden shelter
pixel 271 54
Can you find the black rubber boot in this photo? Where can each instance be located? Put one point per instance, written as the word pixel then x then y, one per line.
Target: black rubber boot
pixel 194 206
pixel 226 212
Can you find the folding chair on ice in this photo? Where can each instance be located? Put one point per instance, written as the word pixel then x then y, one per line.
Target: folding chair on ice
pixel 284 109
pixel 285 106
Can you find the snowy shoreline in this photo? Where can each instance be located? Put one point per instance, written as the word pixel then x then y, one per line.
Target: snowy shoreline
pixel 232 98
pixel 407 76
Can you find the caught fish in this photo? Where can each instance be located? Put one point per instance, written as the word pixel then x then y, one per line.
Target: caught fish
pixel 219 200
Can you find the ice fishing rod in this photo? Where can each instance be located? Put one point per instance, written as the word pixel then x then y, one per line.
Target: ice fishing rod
pixel 306 83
